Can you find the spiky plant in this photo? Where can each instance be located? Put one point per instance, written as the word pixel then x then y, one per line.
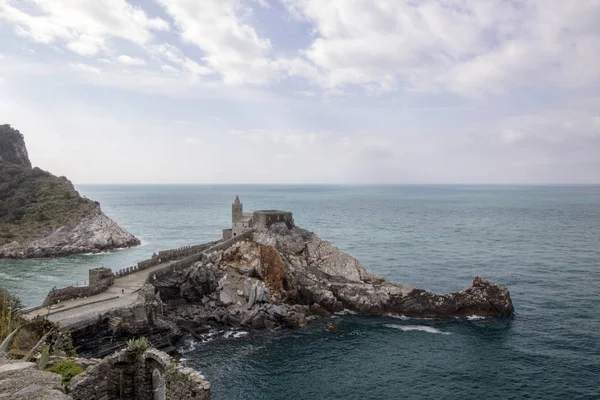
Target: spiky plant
pixel 138 346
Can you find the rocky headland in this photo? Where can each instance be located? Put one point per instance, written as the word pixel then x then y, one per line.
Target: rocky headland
pixel 271 278
pixel 42 215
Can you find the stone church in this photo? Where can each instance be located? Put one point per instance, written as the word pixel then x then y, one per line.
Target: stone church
pixel 242 221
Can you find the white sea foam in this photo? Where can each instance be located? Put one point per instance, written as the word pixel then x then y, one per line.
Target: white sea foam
pixel 96 254
pixel 234 334
pixel 405 318
pixel 345 312
pixel 228 334
pixel 475 317
pixel 421 328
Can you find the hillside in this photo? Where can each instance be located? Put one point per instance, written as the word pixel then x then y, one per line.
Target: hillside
pixel 42 214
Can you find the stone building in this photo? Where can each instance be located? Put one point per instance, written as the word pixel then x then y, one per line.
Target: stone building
pixel 242 221
pixel 151 375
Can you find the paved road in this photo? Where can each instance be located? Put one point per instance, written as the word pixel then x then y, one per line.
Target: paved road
pixel 122 293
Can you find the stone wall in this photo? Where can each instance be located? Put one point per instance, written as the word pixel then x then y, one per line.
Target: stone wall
pixel 191 260
pixel 97 275
pixel 100 279
pixel 150 375
pixel 163 256
pixel 95 287
pixel 262 219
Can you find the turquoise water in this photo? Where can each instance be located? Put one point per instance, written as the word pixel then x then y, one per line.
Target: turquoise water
pixel 541 242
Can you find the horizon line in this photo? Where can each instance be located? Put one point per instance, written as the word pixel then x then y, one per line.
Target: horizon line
pixel 337 184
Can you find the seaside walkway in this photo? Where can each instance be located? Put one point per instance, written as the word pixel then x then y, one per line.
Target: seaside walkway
pixel 122 293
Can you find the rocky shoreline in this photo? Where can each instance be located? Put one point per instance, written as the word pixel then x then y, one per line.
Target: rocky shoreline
pixel 273 278
pixel 93 234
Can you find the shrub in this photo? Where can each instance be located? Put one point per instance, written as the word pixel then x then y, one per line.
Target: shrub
pixel 67 368
pixel 10 310
pixel 138 346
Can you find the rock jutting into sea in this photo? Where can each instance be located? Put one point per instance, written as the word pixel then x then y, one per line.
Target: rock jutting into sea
pixel 279 276
pixel 42 215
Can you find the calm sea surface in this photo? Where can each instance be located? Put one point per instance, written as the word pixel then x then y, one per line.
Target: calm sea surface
pixel 541 242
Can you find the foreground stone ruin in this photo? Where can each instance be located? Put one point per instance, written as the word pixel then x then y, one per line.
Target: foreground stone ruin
pixel 151 375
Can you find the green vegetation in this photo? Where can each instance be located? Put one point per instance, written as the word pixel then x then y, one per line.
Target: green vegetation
pixel 10 310
pixel 34 202
pixel 31 333
pixel 138 346
pixel 67 368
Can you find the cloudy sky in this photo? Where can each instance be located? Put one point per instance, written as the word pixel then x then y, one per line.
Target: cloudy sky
pixel 305 91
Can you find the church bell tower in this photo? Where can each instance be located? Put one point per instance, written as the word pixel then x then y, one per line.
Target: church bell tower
pixel 237 210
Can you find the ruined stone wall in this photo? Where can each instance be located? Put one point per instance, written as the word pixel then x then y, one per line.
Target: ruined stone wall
pixel 75 292
pixel 150 375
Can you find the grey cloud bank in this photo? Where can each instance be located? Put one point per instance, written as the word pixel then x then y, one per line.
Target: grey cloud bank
pixel 174 91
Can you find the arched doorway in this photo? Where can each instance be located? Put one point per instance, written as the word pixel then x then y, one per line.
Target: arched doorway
pixel 158 385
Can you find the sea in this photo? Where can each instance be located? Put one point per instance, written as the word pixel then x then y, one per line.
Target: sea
pixel 542 242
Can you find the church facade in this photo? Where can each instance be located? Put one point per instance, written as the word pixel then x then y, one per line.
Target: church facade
pixel 242 221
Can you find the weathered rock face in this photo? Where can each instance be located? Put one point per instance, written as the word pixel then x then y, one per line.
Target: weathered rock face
pixel 12 147
pixel 284 277
pixel 92 234
pixel 102 335
pixel 22 381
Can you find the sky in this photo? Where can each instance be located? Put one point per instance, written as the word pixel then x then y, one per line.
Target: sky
pixel 305 91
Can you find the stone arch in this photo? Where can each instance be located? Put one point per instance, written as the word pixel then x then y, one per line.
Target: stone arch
pixel 159 389
pixel 153 385
pixel 121 381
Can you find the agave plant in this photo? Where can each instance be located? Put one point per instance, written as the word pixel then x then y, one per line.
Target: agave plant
pixel 44 357
pixel 35 348
pixel 138 346
pixel 8 341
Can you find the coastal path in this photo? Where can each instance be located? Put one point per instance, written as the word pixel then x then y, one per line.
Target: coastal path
pixel 122 293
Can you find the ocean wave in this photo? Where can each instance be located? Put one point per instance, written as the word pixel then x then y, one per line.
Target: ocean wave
pixel 96 254
pixel 345 312
pixel 475 317
pixel 405 318
pixel 421 328
pixel 234 334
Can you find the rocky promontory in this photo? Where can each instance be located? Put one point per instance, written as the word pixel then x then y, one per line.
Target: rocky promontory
pixel 273 278
pixel 42 215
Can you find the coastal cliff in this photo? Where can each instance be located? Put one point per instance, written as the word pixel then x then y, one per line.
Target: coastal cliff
pixel 282 276
pixel 270 278
pixel 42 215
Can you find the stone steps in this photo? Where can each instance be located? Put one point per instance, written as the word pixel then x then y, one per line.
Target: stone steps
pixel 114 323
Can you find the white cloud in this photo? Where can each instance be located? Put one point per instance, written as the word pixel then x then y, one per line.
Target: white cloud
pixel 1 80
pixel 174 55
pixel 168 68
pixel 84 27
pixel 105 61
pixel 465 46
pixel 192 140
pixel 231 45
pixel 85 67
pixel 127 60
